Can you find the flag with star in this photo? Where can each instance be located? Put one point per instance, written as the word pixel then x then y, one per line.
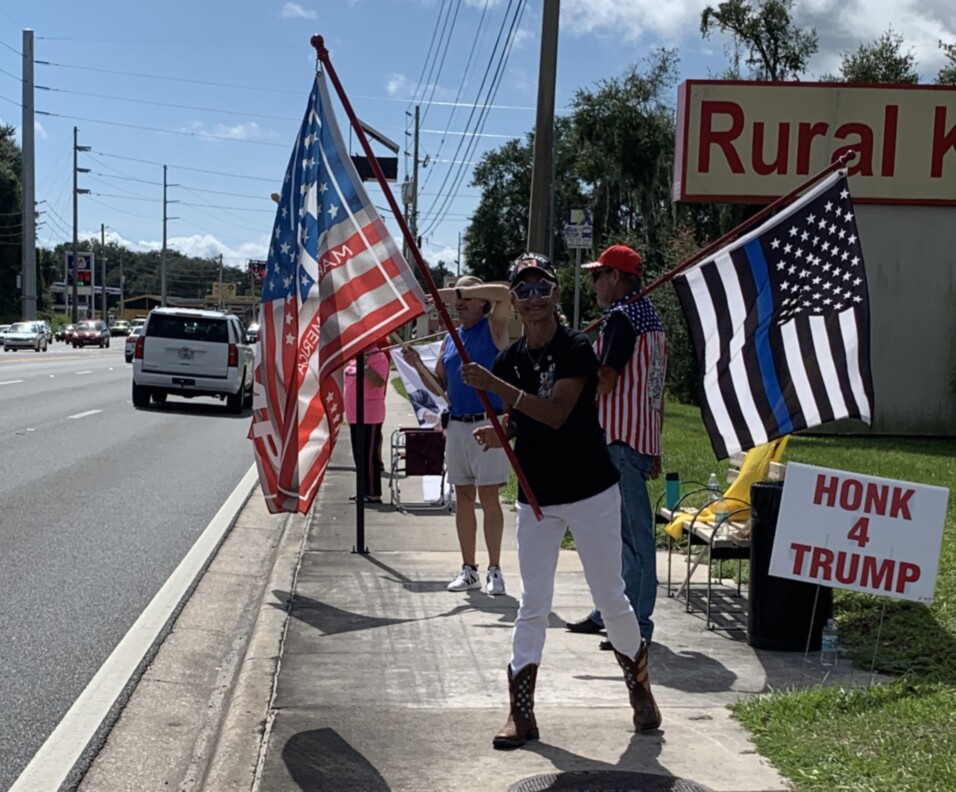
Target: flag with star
pixel 334 284
pixel 780 324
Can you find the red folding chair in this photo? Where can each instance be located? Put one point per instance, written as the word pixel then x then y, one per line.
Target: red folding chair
pixel 417 452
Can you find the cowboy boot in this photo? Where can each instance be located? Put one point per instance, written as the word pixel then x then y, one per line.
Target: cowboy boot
pixel 646 714
pixel 521 725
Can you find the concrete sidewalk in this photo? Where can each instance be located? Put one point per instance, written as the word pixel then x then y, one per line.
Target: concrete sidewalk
pixel 299 664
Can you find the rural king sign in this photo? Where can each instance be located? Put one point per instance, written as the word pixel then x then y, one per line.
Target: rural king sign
pixel 847 530
pixel 743 141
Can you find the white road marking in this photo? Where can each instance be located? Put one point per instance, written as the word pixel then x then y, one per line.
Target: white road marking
pixel 84 414
pixel 10 382
pixel 56 757
pixel 85 372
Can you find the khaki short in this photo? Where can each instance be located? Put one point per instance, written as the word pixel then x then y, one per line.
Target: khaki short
pixel 467 463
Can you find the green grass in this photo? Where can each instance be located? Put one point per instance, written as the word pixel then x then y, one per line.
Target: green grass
pixel 898 736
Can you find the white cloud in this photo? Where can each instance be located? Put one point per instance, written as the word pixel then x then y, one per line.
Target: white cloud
pixel 39 131
pixel 196 246
pixel 246 131
pixel 295 11
pixel 631 20
pixel 398 84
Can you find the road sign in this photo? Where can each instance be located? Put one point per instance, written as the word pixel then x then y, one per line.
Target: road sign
pixel 578 229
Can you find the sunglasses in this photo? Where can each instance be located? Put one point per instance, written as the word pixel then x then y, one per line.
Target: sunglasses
pixel 596 274
pixel 542 289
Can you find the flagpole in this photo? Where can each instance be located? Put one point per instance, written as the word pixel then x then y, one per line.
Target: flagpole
pixel 323 54
pixel 768 210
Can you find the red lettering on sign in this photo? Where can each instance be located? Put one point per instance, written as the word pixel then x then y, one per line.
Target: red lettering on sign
pixel 909 573
pixel 844 575
pixel 876 495
pixel 873 576
pixel 799 550
pixel 859 533
pixel 863 147
pixel 851 494
pixel 820 566
pixel 943 141
pixel 890 120
pixel 805 135
pixel 826 487
pixel 779 165
pixel 900 505
pixel 724 139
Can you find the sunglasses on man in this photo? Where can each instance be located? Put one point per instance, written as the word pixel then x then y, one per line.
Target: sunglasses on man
pixel 542 289
pixel 597 273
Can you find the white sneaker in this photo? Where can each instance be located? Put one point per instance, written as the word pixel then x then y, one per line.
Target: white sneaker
pixel 466 581
pixel 495 581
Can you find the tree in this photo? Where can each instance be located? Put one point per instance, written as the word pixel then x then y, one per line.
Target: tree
pixel 11 223
pixel 947 75
pixel 882 61
pixel 624 137
pixel 776 48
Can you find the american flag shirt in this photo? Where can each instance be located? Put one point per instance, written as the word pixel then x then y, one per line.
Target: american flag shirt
pixel 632 412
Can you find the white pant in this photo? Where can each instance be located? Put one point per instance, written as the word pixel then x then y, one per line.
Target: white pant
pixel 595 524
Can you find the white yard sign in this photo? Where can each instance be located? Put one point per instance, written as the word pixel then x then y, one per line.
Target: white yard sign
pixel 864 533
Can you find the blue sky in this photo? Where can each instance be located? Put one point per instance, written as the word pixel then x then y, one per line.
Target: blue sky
pixel 216 90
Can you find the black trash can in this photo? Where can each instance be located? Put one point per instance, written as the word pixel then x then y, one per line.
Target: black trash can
pixel 779 610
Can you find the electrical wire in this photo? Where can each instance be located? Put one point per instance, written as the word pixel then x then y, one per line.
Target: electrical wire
pixel 11 74
pixel 244 114
pixel 184 167
pixel 161 131
pixel 4 44
pixel 441 63
pixel 10 101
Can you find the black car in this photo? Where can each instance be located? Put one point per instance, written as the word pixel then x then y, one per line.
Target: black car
pixel 91 334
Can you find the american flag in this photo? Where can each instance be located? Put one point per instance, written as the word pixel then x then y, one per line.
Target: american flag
pixel 335 283
pixel 780 324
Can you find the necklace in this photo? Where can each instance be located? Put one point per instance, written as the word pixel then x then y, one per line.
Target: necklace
pixel 536 360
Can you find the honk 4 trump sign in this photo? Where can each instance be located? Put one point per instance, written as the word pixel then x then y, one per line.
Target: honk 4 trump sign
pixel 864 533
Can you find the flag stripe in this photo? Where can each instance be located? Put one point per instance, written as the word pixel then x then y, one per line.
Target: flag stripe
pixel 848 326
pixel 798 373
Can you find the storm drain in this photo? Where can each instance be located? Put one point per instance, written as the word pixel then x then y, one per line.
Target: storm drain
pixel 605 781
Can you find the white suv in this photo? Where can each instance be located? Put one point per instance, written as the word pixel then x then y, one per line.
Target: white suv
pixel 188 353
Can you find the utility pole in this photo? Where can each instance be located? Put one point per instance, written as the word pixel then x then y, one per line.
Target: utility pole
pixel 76 193
pixel 221 303
pixel 28 305
pixel 544 130
pixel 103 254
pixel 458 260
pixel 122 301
pixel 415 180
pixel 162 271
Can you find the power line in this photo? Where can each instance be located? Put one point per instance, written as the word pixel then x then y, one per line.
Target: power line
pixel 441 63
pixel 185 167
pixel 230 44
pixel 200 135
pixel 11 101
pixel 166 104
pixel 12 49
pixel 11 74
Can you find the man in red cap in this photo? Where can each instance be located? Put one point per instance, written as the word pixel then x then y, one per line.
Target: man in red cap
pixel 632 352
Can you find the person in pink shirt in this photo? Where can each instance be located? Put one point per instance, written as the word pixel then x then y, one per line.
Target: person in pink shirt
pixel 376 380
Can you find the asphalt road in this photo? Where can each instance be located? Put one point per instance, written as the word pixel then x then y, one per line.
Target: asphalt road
pixel 99 503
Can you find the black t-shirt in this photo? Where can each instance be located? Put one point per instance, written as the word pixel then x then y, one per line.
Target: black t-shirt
pixel 618 344
pixel 570 463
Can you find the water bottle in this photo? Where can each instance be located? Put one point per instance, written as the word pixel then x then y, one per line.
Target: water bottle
pixel 721 515
pixel 828 644
pixel 714 486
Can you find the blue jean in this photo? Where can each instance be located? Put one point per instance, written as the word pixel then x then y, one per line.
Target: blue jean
pixel 639 548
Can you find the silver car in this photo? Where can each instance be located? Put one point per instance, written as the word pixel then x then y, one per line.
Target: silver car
pixel 25 335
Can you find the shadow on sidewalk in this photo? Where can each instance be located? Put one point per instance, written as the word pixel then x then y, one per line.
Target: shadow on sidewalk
pixel 330 620
pixel 321 760
pixel 641 754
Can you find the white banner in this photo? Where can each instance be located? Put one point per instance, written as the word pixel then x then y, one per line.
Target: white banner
pixel 863 533
pixel 428 406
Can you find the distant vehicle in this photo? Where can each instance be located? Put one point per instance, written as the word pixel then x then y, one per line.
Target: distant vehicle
pixel 139 321
pixel 65 333
pixel 252 332
pixel 94 333
pixel 25 335
pixel 120 328
pixel 186 352
pixel 3 331
pixel 47 330
pixel 131 342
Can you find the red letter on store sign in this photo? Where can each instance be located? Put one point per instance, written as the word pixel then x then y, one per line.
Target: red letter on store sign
pixel 709 137
pixel 942 142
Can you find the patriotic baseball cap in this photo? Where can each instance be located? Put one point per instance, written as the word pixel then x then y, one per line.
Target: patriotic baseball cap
pixel 619 257
pixel 531 262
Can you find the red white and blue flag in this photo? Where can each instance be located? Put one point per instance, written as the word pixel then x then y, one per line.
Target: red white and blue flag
pixel 335 283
